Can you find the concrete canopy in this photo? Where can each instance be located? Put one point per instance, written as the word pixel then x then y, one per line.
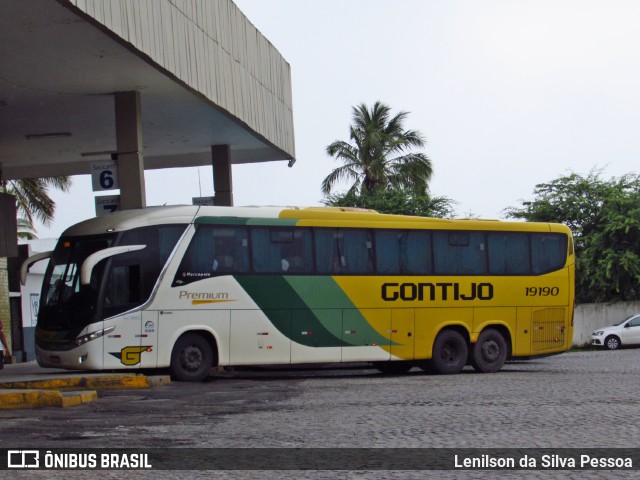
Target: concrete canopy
pixel 205 77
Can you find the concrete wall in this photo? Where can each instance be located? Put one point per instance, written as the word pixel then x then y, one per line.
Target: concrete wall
pixel 214 49
pixel 591 316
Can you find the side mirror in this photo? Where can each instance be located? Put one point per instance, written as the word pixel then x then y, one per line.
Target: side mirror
pixel 24 268
pixel 93 259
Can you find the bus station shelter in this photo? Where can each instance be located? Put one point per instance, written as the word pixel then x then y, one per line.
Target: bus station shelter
pixel 151 83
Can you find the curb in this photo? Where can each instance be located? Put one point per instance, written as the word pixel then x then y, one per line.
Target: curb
pixel 15 399
pixel 69 391
pixel 101 382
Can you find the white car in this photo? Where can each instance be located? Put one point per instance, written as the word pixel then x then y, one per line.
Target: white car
pixel 626 332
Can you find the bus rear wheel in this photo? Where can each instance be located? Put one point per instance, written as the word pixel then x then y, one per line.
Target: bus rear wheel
pixel 191 358
pixel 489 352
pixel 450 352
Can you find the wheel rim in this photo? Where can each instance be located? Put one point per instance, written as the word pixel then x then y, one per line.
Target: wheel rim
pixel 450 353
pixel 612 343
pixel 490 351
pixel 191 358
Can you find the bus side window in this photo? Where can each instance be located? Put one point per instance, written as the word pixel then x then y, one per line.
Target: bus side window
pixel 228 250
pixel 281 250
pixel 548 252
pixel 357 250
pixel 132 276
pixel 123 287
pixel 403 252
pixel 416 259
pixel 459 253
pixel 214 250
pixel 508 253
pixel 388 245
pixel 326 246
pixel 266 253
pixel 297 255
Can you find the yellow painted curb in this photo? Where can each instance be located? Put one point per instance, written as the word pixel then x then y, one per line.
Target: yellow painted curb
pixel 71 399
pixel 13 399
pixel 98 382
pixel 61 391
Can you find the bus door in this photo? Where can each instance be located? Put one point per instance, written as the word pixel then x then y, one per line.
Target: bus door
pixel 125 291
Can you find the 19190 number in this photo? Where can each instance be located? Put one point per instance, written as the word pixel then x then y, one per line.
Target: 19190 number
pixel 542 291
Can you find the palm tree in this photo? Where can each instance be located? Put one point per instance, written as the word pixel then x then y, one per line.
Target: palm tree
pixel 32 197
pixel 379 155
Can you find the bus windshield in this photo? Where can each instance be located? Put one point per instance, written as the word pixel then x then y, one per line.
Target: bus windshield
pixel 65 304
pixel 117 284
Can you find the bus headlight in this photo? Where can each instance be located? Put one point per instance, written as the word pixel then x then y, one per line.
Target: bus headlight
pixel 93 335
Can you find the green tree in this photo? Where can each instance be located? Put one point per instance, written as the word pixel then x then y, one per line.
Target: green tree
pixel 33 201
pixel 396 202
pixel 379 155
pixel 604 216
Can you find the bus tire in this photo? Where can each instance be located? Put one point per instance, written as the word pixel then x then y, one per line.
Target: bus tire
pixel 393 368
pixel 489 352
pixel 450 352
pixel 191 358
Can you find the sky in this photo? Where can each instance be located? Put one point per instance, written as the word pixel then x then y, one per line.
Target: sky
pixel 508 94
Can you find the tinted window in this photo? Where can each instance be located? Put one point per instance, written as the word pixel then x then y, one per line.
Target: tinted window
pixel 214 250
pixel 548 252
pixel 508 253
pixel 403 252
pixel 132 276
pixel 346 251
pixel 278 250
pixel 459 253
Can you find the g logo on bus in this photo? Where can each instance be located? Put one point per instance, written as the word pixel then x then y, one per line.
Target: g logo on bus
pixel 130 356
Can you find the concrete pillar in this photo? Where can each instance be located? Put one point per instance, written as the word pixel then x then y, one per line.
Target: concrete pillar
pixel 129 147
pixel 8 225
pixel 5 309
pixel 222 180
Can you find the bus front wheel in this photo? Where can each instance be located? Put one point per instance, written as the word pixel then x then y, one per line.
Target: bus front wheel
pixel 191 358
pixel 449 354
pixel 489 352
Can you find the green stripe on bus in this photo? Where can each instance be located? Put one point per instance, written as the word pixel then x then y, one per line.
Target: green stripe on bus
pixel 320 292
pixel 312 311
pixel 287 311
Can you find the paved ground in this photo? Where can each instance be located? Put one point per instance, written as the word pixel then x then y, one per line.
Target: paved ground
pixel 576 400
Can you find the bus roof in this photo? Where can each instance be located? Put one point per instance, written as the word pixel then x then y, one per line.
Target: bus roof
pixel 301 216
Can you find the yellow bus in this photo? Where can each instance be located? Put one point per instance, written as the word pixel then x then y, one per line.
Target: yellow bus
pixel 189 288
